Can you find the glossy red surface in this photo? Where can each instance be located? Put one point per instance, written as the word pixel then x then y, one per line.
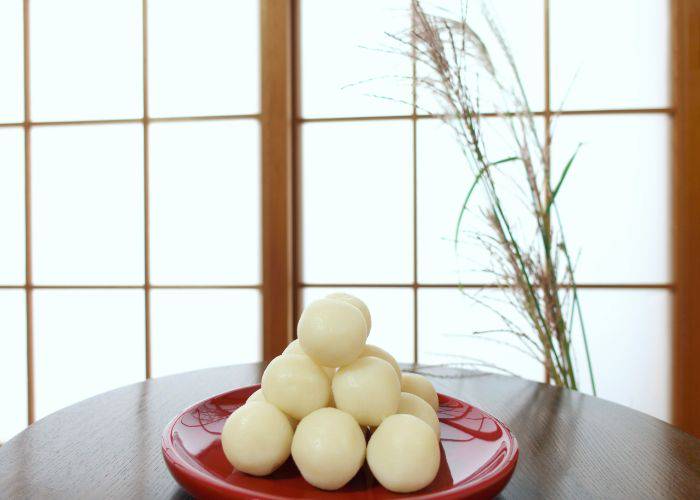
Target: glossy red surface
pixel 479 455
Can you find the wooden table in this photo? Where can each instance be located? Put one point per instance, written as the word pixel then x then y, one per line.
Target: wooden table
pixel 571 445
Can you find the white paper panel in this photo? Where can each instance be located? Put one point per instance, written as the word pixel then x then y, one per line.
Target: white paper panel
pixel 447 320
pixel 205 203
pixel 349 65
pixel 628 334
pixel 11 62
pixel 357 202
pixel 616 200
pixel 87 204
pixel 13 369
pixel 86 342
pixel 203 57
pixel 196 329
pixel 12 206
pixel 86 59
pixel 610 54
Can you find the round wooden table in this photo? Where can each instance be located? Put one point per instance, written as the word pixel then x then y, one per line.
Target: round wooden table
pixel 571 445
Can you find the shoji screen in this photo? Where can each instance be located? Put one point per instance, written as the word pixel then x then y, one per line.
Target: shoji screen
pixel 382 183
pixel 129 195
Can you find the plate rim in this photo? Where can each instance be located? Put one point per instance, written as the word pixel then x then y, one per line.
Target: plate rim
pixel 180 470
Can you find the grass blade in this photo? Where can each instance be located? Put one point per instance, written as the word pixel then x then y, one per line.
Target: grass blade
pixel 473 187
pixel 561 179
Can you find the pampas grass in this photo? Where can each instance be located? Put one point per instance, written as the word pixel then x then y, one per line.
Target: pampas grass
pixel 534 269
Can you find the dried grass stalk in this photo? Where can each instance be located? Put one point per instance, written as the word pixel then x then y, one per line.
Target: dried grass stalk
pixel 536 270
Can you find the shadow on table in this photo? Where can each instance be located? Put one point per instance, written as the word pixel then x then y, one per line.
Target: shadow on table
pixel 181 495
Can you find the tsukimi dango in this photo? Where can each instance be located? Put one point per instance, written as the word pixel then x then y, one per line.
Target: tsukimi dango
pixel 257 438
pixel 294 347
pixel 256 396
pixel 332 402
pixel 332 332
pixel 367 389
pixel 259 396
pixel 328 448
pixel 421 387
pixel 351 299
pixel 378 352
pixel 403 454
pixel 296 385
pixel 411 404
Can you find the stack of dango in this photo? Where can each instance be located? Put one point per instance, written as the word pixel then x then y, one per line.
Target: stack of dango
pixel 329 390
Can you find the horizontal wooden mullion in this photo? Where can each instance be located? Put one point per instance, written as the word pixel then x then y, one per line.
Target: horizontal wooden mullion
pixel 571 112
pixel 621 286
pixel 130 287
pixel 118 121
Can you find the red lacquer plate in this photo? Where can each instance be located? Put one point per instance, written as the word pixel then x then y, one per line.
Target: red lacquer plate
pixel 478 457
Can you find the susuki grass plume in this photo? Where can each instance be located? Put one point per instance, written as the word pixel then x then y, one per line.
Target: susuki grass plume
pixel 464 71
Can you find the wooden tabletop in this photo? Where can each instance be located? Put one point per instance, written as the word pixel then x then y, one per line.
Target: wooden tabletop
pixel 571 445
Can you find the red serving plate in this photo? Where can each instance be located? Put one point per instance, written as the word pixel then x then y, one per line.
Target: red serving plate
pixel 478 457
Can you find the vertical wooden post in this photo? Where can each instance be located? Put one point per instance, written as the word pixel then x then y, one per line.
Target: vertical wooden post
pixel 547 148
pixel 414 168
pixel 276 21
pixel 686 201
pixel 146 195
pixel 298 292
pixel 29 281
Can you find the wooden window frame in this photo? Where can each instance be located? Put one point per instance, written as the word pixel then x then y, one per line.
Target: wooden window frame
pixel 280 121
pixel 282 284
pixel 277 27
pixel 269 178
pixel 685 29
